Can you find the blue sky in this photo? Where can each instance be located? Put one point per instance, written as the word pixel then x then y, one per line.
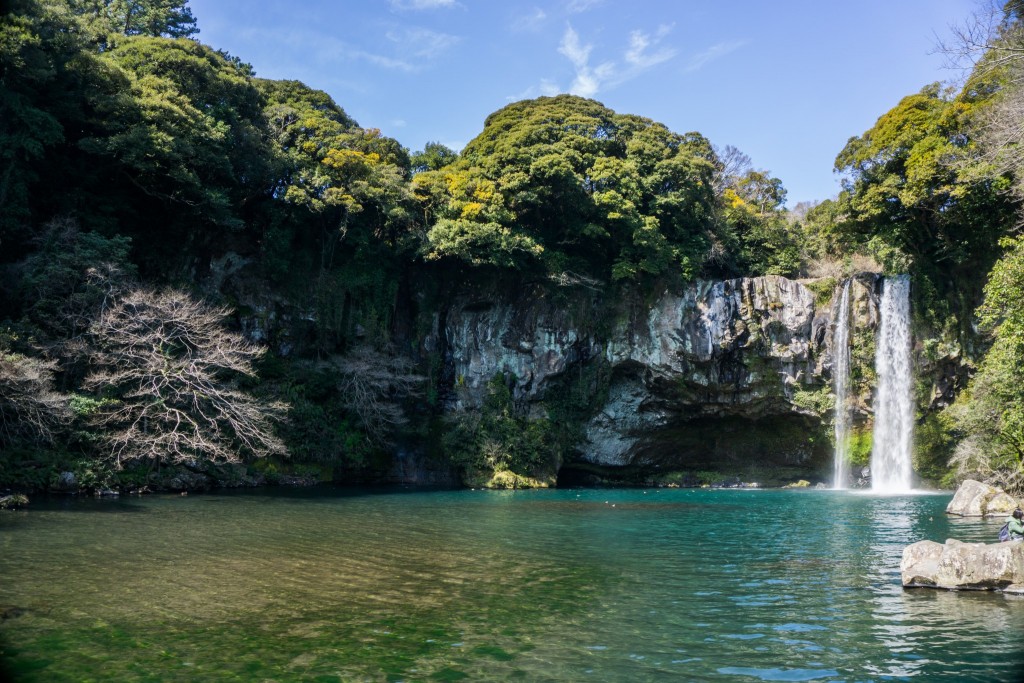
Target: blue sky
pixel 786 82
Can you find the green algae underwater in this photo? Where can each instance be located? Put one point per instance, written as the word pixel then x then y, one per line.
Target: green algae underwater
pixel 558 585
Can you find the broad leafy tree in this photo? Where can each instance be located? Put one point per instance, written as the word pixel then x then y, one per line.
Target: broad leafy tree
pixel 341 200
pixel 764 239
pixel 990 414
pixel 913 183
pixel 187 150
pixel 564 184
pixel 166 18
pixel 433 157
pixel 49 83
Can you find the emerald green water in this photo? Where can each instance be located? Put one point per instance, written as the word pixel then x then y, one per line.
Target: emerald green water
pixel 619 585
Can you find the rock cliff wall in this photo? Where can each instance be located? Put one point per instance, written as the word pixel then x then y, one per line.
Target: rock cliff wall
pixel 751 355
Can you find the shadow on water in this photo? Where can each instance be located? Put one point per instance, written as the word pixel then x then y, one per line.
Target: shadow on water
pixel 83 503
pixel 135 502
pixel 318 491
pixel 7 612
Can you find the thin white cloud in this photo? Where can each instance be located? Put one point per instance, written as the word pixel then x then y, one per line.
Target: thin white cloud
pixel 712 53
pixel 533 20
pixel 571 47
pixel 547 87
pixel 588 79
pixel 639 55
pixel 383 61
pixel 421 43
pixel 421 4
pixel 413 49
pixel 644 51
pixel 578 6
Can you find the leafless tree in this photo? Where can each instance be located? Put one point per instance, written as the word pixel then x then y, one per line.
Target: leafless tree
pixel 990 45
pixel 973 459
pixel 732 164
pixel 171 365
pixel 990 37
pixel 30 409
pixel 373 385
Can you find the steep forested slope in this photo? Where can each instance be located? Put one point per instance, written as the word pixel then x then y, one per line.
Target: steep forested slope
pixel 139 166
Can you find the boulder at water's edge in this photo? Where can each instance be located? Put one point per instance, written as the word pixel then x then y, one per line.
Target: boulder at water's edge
pixel 964 566
pixel 974 499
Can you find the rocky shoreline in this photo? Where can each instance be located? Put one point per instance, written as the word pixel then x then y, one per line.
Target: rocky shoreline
pixel 955 565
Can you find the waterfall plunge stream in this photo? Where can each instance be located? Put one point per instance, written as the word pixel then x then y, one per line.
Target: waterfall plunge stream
pixel 841 378
pixel 894 408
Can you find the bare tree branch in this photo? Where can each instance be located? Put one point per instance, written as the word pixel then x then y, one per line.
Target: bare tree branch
pixel 732 164
pixel 171 364
pixel 373 384
pixel 30 410
pixel 990 45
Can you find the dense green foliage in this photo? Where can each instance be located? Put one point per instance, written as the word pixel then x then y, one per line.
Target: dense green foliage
pixel 917 195
pixel 990 414
pixel 499 444
pixel 177 166
pixel 564 183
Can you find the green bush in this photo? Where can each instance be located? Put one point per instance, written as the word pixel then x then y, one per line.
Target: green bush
pixel 932 449
pixel 497 439
pixel 859 444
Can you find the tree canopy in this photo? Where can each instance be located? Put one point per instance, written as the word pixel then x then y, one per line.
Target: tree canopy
pixel 914 183
pixel 134 158
pixel 564 183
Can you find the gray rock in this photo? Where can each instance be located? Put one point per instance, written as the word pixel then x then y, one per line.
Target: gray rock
pixel 66 482
pixel 974 499
pixel 13 502
pixel 740 348
pixel 964 566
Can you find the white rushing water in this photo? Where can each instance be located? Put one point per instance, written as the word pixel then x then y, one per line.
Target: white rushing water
pixel 841 382
pixel 894 407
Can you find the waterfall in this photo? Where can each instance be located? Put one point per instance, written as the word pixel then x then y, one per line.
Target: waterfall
pixel 841 379
pixel 894 407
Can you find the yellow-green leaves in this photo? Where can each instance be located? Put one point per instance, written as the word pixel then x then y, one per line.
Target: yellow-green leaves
pixel 611 195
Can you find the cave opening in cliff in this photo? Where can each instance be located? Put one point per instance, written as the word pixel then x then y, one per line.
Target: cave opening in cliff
pixel 769 450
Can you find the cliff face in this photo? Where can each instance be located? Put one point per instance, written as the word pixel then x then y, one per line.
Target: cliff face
pixel 718 377
pixel 723 371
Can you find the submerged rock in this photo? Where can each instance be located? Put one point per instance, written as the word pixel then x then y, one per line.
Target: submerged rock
pixel 11 611
pixel 974 499
pixel 964 566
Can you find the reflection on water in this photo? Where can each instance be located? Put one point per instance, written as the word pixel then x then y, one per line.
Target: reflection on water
pixel 549 585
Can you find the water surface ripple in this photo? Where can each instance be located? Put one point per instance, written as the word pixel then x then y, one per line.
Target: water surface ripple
pixel 619 585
